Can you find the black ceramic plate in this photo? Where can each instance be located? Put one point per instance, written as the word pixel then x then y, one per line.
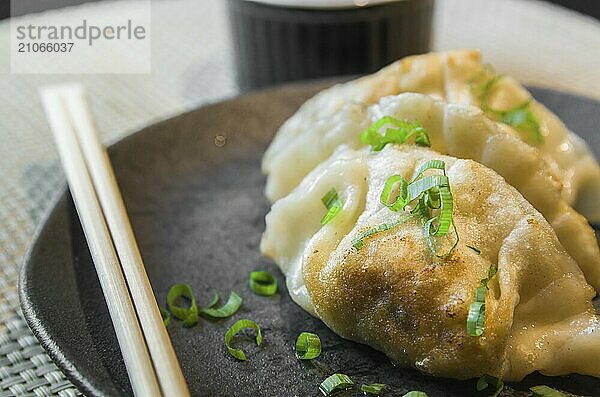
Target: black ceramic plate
pixel 198 212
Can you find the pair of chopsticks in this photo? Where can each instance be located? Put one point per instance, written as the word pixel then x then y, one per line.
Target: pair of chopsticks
pixel 149 357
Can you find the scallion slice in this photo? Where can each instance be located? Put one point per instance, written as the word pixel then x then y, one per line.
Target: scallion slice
pixel 422 185
pixel 333 204
pixel 415 394
pixel 397 131
pixel 213 301
pixel 487 380
pixel 308 346
pixel 358 242
pixel 422 209
pixel 476 319
pixel 439 248
pixel 234 330
pixel 334 383
pixel 487 90
pixel 477 250
pixel 491 273
pixel 401 197
pixel 189 315
pixel 263 283
pixel 227 310
pixel 432 193
pixel 546 391
pixel 444 219
pixel 166 316
pixel 482 384
pixel 480 293
pixel 476 316
pixel 523 120
pixel 432 198
pixel 374 389
pixel 429 165
pixel 519 117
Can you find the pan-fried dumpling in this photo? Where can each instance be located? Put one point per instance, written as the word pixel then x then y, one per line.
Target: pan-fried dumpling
pixel 464 132
pixel 394 294
pixel 458 77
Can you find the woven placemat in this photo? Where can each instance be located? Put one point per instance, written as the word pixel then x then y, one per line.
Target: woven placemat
pixel 192 66
pixel 30 174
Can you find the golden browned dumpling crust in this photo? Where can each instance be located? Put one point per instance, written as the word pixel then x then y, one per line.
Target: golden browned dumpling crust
pixel 394 294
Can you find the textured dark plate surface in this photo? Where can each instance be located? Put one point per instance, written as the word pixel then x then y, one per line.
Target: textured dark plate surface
pixel 198 210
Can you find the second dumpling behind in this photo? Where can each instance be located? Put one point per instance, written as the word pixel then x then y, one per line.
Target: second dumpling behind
pixel 458 77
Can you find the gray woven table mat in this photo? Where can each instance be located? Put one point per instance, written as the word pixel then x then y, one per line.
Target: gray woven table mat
pixel 191 66
pixel 30 174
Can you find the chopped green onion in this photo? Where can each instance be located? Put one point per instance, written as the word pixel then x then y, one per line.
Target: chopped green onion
pixel 429 165
pixel 333 204
pixel 401 199
pixel 491 273
pixel 432 192
pixel 358 242
pixel 545 391
pixel 400 134
pixel 234 329
pixel 422 185
pixel 477 250
pixel 227 310
pixel 519 117
pixel 480 293
pixel 523 120
pixel 335 383
pixel 422 138
pixel 433 242
pixel 482 384
pixel 189 315
pixel 166 316
pixel 213 301
pixel 415 394
pixel 487 90
pixel 444 219
pixel 263 283
pixel 432 198
pixel 422 209
pixel 308 346
pixel 476 319
pixel 482 83
pixel 476 316
pixel 374 389
pixel 487 380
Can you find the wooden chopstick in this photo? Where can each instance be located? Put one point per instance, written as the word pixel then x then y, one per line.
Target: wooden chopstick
pixel 129 334
pixel 147 351
pixel 161 350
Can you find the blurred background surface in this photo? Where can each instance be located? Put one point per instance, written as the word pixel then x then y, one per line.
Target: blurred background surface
pixel 589 7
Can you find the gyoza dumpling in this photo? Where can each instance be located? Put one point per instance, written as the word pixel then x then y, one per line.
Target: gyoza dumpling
pixel 395 295
pixel 458 77
pixel 463 132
